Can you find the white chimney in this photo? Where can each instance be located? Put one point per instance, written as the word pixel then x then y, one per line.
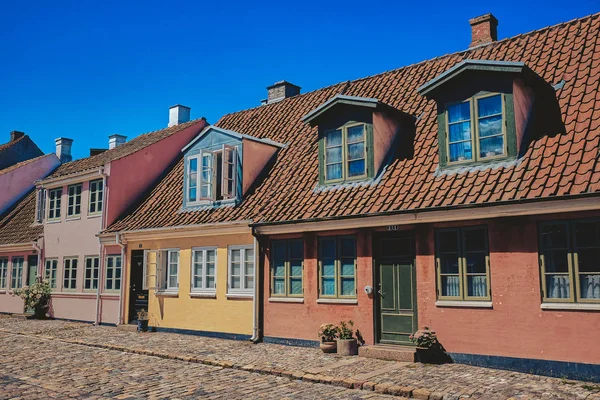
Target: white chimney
pixel 116 140
pixel 63 149
pixel 178 114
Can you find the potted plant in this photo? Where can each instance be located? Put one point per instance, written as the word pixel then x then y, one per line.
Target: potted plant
pixel 142 320
pixel 36 297
pixel 327 334
pixel 429 349
pixel 346 342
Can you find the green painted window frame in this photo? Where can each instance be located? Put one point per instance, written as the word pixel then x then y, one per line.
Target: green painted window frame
pixel 369 158
pixel 70 282
pixel 74 200
pixel 114 280
pixel 338 266
pixel 54 204
pixel 51 272
pixel 96 196
pixel 508 130
pixel 3 273
pixel 287 262
pixel 572 255
pixel 17 273
pixel 92 273
pixel 463 274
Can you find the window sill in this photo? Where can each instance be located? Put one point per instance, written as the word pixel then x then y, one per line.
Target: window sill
pixel 2 291
pixel 286 300
pixel 53 221
pixel 95 215
pixel 240 295
pixel 571 306
pixel 204 295
pixel 165 293
pixel 464 304
pixel 337 301
pixel 73 218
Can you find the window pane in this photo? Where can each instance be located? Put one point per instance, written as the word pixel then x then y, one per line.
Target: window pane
pixel 333 138
pixel 490 126
pixel 235 282
pixel 173 256
pixel 296 268
pixel 172 281
pixel 589 259
pixel 296 249
pixel 197 281
pixel 249 282
pixel 235 255
pixel 328 268
pixel 347 267
pixel 356 150
pixel 476 263
pixel 249 255
pixel 474 239
pixel 328 248
pixel 587 234
pixel 348 247
pixel 489 106
pixel 461 151
pixel 211 256
pixel 556 260
pixel 333 155
pixel 333 171
pixel 477 286
pixel 235 269
pixel 198 257
pixel 210 269
pixel 448 264
pixel 451 286
pixel 448 241
pixel 192 194
pixel 328 286
pixel 356 168
pixel 279 286
pixel 279 270
pixel 459 112
pixel 491 147
pixel 193 165
pixel 210 282
pixel 296 286
pixel 460 131
pixel 348 287
pixel 558 287
pixel 356 134
pixel 554 236
pixel 590 286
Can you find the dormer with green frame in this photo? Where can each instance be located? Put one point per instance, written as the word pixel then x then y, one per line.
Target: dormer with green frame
pixel 484 109
pixel 357 137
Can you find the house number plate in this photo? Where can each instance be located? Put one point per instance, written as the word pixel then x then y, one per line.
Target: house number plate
pixel 393 228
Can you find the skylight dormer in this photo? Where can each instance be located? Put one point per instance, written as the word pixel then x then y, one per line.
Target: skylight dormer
pixel 357 137
pixel 221 166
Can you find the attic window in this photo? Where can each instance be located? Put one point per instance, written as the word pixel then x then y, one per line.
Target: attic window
pixel 345 153
pixel 211 175
pixel 480 138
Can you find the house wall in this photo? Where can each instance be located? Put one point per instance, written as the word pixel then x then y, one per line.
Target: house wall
pixel 385 130
pixel 19 181
pixel 302 320
pixel 131 176
pixel 256 157
pixel 9 303
pixel 523 103
pixel 217 315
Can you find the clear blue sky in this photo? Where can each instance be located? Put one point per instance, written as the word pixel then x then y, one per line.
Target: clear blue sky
pixel 85 70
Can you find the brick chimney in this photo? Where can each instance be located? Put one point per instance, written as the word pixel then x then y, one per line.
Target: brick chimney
pixel 281 90
pixel 178 114
pixel 116 140
pixel 484 29
pixel 63 149
pixel 14 135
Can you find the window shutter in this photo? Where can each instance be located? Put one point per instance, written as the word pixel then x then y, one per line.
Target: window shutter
pixel 39 205
pixel 229 164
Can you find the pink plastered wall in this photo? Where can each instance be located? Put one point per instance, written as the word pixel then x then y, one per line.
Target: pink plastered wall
pixel 385 130
pixel 256 156
pixel 9 303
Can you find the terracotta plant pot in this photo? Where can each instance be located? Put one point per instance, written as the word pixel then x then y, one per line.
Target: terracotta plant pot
pixel 347 347
pixel 328 347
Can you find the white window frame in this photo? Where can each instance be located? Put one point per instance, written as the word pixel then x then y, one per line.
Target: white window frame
pixel 3 273
pixel 18 279
pixel 203 289
pixel 225 178
pixel 114 279
pixel 99 194
pixel 41 205
pixel 164 266
pixel 71 269
pixel 54 205
pixel 76 197
pixel 242 290
pixel 93 268
pixel 52 281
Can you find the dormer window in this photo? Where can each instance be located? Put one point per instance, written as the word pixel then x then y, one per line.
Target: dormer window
pixel 480 138
pixel 345 153
pixel 211 175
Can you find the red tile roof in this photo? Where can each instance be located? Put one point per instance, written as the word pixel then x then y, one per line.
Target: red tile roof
pixel 17 224
pixel 136 144
pixel 554 164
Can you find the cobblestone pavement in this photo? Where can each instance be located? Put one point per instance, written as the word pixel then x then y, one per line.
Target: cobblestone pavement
pixel 449 381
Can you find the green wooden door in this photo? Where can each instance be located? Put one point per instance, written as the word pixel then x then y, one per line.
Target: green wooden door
pixel 32 272
pixel 397 302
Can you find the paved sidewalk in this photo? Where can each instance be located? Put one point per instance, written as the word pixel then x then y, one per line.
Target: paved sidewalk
pixel 449 381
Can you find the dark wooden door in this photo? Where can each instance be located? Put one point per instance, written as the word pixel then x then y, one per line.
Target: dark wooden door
pixel 138 294
pixel 396 296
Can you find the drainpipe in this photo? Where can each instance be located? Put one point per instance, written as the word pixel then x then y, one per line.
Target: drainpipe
pixel 38 249
pixel 101 261
pixel 119 238
pixel 257 284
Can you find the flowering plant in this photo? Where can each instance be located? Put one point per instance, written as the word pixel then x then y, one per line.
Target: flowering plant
pixel 36 296
pixel 425 338
pixel 346 330
pixel 328 332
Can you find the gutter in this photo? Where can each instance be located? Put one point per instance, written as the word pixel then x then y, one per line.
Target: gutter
pixel 257 284
pixel 123 276
pixel 150 231
pixel 101 261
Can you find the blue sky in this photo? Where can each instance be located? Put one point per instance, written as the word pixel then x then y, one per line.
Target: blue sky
pixel 85 70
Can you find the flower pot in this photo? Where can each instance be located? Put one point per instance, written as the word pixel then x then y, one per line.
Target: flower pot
pixel 347 347
pixel 328 347
pixel 40 311
pixel 427 355
pixel 142 325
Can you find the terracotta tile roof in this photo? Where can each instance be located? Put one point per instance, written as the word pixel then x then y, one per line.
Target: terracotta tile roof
pixel 16 225
pixel 553 165
pixel 136 144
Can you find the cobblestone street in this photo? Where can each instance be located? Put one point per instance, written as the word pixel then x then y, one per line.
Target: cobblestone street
pixel 58 359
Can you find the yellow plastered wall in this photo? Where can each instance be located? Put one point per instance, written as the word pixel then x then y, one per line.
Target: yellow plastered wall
pixel 220 314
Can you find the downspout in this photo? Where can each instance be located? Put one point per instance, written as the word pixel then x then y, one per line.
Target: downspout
pixel 101 261
pixel 257 284
pixel 38 249
pixel 119 239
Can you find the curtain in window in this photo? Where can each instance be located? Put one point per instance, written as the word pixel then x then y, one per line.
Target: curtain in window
pixel 558 286
pixel 477 286
pixel 451 286
pixel 590 286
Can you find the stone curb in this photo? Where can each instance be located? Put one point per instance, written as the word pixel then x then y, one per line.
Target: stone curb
pixel 348 383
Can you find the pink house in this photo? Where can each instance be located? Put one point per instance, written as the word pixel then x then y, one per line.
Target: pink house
pixel 82 197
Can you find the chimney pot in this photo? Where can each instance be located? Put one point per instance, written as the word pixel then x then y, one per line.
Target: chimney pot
pixel 281 90
pixel 484 29
pixel 178 114
pixel 116 140
pixel 14 135
pixel 63 149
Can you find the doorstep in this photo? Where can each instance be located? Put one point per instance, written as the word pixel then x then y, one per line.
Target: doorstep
pixel 388 352
pixel 127 327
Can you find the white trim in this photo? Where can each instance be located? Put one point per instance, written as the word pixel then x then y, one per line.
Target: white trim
pixel 231 133
pixel 242 290
pixel 167 293
pixel 203 289
pixel 286 299
pixel 165 285
pixel 465 304
pixel 65 180
pixel 203 295
pixel 337 301
pixel 571 306
pixel 453 215
pixel 247 295
pixel 114 279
